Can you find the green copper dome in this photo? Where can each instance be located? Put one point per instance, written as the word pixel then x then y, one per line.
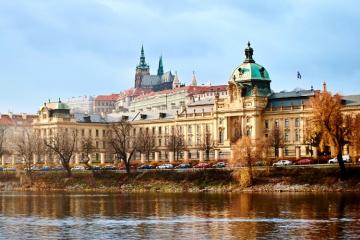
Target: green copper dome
pixel 249 70
pixel 253 78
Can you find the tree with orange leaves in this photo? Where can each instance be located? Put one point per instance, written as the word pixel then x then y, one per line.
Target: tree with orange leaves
pixel 335 125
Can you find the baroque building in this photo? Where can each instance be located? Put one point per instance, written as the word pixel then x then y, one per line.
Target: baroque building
pixel 247 108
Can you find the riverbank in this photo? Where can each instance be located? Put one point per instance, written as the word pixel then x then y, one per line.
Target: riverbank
pixel 213 180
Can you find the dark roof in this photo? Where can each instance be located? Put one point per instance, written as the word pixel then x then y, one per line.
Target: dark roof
pixel 288 99
pixel 352 100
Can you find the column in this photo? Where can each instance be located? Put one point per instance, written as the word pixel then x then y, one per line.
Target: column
pixel 90 158
pixel 186 156
pixel 156 156
pixel 142 157
pixel 35 159
pixel 297 152
pixel 201 155
pixel 102 158
pixel 3 160
pixel 281 152
pixel 346 150
pixel 171 157
pixel 77 158
pixel 13 160
pixel 46 158
pixel 314 152
pixel 217 154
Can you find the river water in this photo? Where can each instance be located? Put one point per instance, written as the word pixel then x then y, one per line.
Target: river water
pixel 179 216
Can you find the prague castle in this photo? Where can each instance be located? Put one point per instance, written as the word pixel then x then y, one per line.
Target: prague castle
pixel 244 106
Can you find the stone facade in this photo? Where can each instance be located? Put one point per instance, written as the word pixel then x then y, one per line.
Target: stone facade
pixel 249 108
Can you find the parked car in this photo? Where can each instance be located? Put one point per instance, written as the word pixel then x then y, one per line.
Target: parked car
pixel 219 165
pixel 78 168
pixel 122 167
pixel 109 168
pixel 305 161
pixel 35 168
pixel 146 166
pixel 45 168
pixel 1 169
pixel 9 169
pixel 183 166
pixel 346 159
pixel 165 166
pixel 282 163
pixel 202 165
pixel 58 168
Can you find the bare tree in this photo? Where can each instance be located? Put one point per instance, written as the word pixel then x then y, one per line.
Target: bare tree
pixel 25 147
pixel 3 149
pixel 63 144
pixel 176 143
pixel 87 148
pixel 122 143
pixel 145 143
pixel 335 125
pixel 276 139
pixel 207 144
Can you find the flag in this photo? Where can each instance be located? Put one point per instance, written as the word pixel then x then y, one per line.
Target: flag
pixel 298 75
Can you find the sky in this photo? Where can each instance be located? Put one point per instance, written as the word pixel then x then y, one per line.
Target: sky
pixel 64 48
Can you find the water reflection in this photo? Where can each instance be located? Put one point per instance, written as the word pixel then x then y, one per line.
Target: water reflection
pixel 178 216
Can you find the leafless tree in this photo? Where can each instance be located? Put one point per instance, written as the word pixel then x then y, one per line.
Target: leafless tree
pixel 207 144
pixel 145 143
pixel 276 139
pixel 3 138
pixel 63 144
pixel 176 142
pixel 86 149
pixel 24 145
pixel 122 142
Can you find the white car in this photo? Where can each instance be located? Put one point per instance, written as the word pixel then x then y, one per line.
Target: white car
pixel 346 159
pixel 78 168
pixel 282 163
pixel 165 166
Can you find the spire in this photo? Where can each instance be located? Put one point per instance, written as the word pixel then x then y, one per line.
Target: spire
pixel 193 81
pixel 160 68
pixel 324 87
pixel 249 53
pixel 142 63
pixel 176 82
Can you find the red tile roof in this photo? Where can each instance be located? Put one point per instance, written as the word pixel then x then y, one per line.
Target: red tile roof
pixel 16 119
pixel 112 97
pixel 189 89
pixel 134 92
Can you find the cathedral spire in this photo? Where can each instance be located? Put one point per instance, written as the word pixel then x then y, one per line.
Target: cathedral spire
pixel 142 64
pixel 194 81
pixel 161 67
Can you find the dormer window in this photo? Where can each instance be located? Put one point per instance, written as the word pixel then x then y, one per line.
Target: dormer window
pixel 262 72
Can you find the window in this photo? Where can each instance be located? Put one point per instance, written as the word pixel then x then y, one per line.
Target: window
pixel 266 124
pixel 89 132
pixel 153 130
pixel 286 123
pixel 286 136
pixel 286 151
pixel 97 144
pixel 104 133
pixel 189 142
pixel 248 132
pixel 159 130
pixel 159 142
pixel 277 123
pixel 297 122
pixel 297 135
pixel 189 129
pixel 97 132
pixel 82 132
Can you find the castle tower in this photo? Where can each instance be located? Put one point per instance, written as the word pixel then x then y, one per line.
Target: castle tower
pixel 193 81
pixel 142 69
pixel 176 82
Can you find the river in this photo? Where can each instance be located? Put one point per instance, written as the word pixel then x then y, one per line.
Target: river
pixel 179 216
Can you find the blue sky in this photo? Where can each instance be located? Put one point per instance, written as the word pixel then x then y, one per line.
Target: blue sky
pixel 64 48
